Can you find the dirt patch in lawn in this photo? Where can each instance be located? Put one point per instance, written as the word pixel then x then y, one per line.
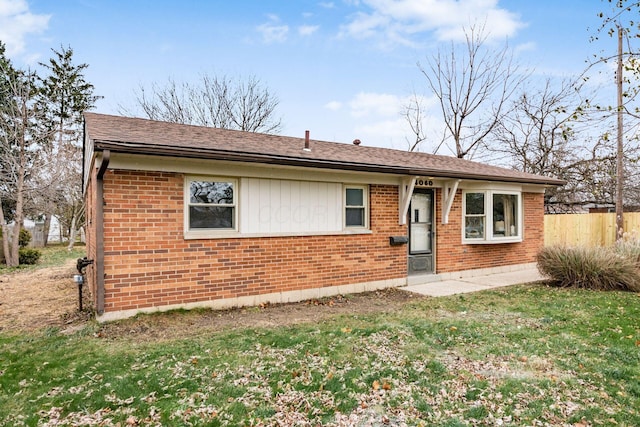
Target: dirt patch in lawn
pixel 179 324
pixel 47 297
pixel 39 298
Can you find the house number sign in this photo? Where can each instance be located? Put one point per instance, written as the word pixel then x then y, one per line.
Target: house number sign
pixel 424 182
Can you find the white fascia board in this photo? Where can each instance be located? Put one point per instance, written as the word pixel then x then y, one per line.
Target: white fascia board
pixel 246 169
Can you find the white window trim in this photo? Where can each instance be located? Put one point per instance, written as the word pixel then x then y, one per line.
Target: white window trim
pixel 488 215
pixel 205 233
pixel 365 195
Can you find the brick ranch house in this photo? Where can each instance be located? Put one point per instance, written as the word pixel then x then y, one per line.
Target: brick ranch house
pixel 184 216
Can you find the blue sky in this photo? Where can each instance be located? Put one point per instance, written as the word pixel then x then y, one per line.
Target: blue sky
pixel 340 68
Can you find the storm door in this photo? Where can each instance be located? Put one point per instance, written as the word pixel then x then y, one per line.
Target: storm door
pixel 421 234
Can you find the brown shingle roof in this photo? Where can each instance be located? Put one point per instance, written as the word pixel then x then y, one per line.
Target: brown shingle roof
pixel 142 136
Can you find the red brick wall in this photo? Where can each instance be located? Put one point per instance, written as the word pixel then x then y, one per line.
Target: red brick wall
pixel 452 255
pixel 149 263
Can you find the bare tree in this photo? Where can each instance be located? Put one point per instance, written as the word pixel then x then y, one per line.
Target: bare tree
pixel 472 84
pixel 621 22
pixel 24 130
pixel 223 102
pixel 538 132
pixel 552 131
pixel 413 113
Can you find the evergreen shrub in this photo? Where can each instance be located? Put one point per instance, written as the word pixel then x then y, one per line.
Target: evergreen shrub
pixel 28 256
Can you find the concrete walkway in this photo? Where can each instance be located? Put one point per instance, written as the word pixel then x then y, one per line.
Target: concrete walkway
pixel 461 285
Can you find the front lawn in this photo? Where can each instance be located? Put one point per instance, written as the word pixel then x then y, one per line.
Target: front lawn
pixel 526 355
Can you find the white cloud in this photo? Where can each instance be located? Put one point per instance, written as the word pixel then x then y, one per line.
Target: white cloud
pixel 333 105
pixel 377 119
pixel 383 133
pixel 375 104
pixel 366 25
pixel 327 5
pixel 16 22
pixel 398 21
pixel 273 31
pixel 307 30
pixel 526 47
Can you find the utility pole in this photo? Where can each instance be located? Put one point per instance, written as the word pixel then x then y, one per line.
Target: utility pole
pixel 620 152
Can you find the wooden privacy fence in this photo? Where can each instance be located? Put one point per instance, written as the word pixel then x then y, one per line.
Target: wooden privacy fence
pixel 595 229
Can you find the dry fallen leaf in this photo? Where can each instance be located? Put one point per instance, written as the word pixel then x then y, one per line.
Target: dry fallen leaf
pixel 386 386
pixel 376 385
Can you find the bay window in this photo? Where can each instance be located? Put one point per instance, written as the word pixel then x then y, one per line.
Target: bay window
pixel 492 217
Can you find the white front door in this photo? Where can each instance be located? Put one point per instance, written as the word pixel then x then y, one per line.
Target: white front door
pixel 421 232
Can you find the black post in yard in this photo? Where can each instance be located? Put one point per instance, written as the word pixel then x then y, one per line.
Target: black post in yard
pixel 81 264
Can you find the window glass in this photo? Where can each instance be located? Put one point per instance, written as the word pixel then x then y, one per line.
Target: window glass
pixel 505 215
pixel 355 197
pixel 474 227
pixel 211 205
pixel 475 203
pixel 474 222
pixel 354 217
pixel 211 217
pixel 218 193
pixel 355 207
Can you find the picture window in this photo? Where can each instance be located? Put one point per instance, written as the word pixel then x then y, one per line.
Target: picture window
pixel 492 216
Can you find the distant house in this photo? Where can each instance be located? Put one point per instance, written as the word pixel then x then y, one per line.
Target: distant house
pixel 187 216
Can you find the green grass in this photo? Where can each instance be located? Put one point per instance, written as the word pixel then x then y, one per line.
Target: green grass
pixel 527 355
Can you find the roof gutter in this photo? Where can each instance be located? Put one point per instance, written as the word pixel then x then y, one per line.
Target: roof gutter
pixel 99 262
pixel 298 161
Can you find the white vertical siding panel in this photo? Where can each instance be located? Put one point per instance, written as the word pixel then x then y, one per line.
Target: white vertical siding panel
pixel 255 203
pixel 283 206
pixel 244 205
pixel 275 203
pixel 335 206
pixel 294 200
pixel 264 205
pixel 302 209
pixel 283 210
pixel 250 195
pixel 320 208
